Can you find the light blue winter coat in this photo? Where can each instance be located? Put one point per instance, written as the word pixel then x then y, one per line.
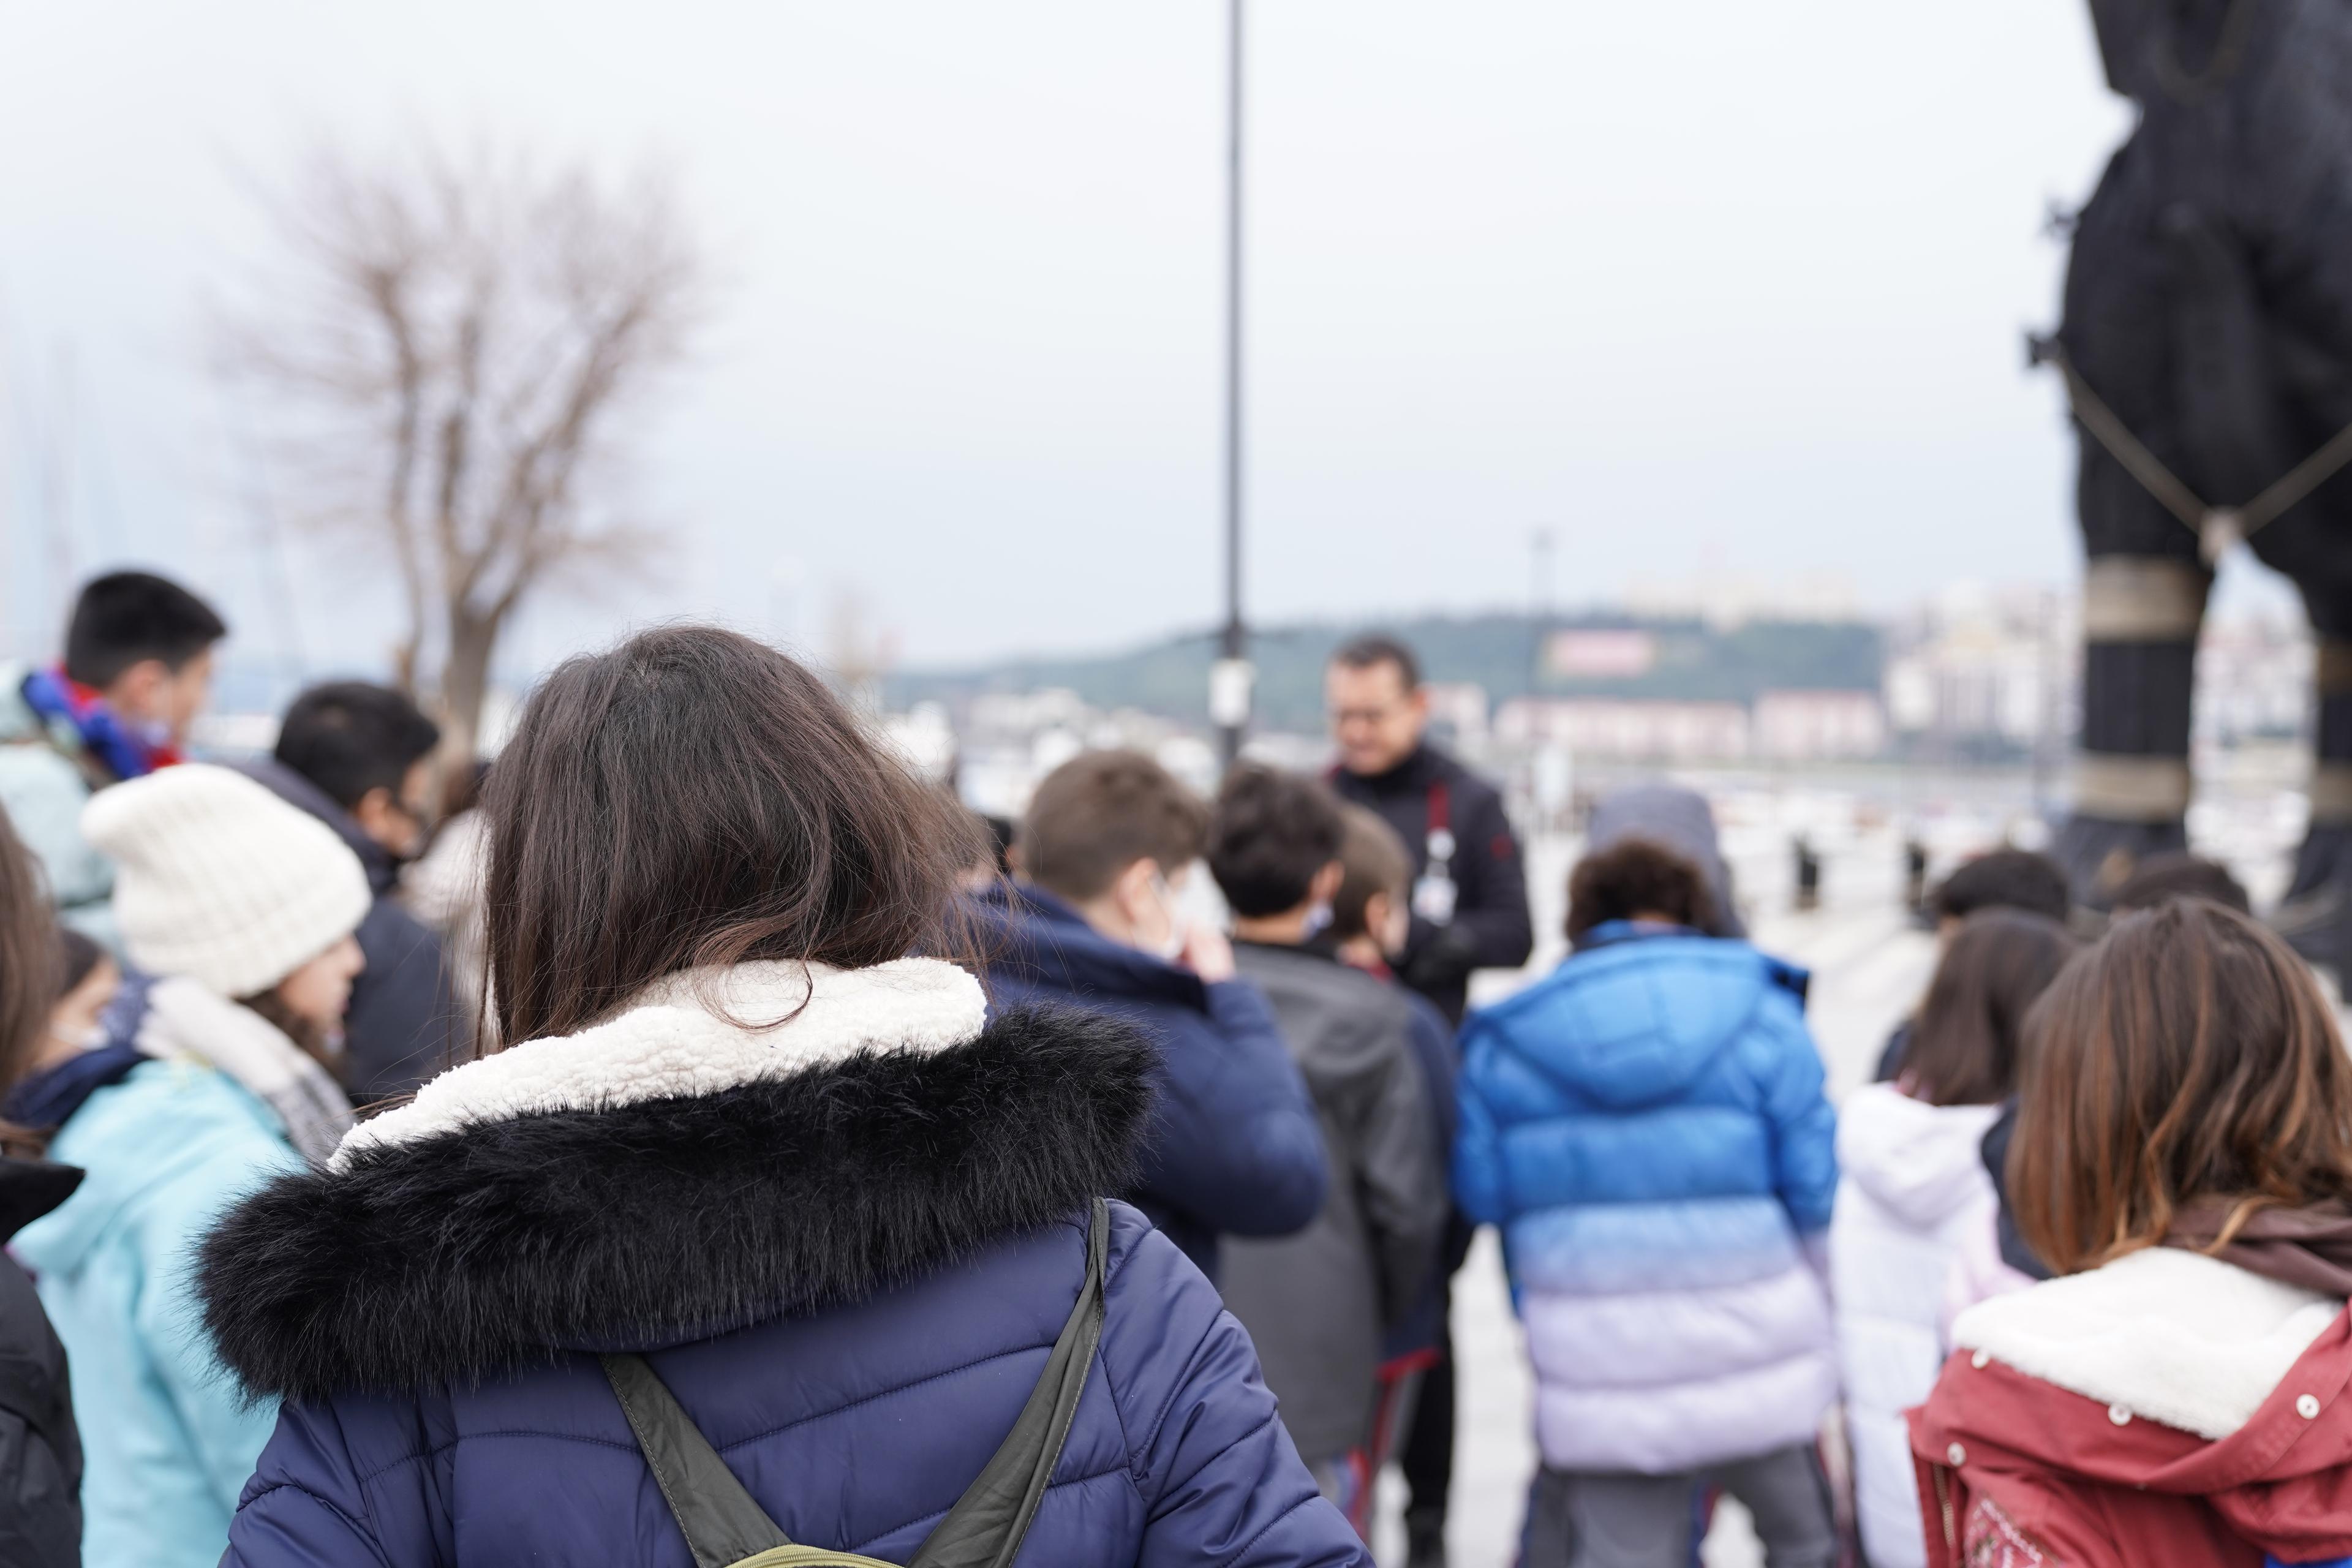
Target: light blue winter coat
pixel 1646 1126
pixel 43 792
pixel 168 1441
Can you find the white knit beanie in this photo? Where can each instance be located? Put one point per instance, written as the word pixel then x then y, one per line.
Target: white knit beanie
pixel 219 881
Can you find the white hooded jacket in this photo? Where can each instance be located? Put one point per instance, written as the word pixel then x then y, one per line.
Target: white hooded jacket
pixel 1914 1185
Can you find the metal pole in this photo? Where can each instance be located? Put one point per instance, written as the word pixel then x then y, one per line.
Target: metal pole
pixel 1540 611
pixel 1229 684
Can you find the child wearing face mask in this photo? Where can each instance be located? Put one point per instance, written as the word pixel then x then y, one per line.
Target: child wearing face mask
pixel 1094 919
pixel 1371 922
pixel 1320 1305
pixel 204 1078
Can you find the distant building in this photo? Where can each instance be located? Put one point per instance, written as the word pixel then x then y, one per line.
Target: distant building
pixel 1600 653
pixel 2253 679
pixel 1818 726
pixel 1457 711
pixel 1984 672
pixel 1631 730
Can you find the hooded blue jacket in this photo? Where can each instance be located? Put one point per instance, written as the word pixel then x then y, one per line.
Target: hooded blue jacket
pixel 1646 1125
pixel 1233 1146
pixel 850 1276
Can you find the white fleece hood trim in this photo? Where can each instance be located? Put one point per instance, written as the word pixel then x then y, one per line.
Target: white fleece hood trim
pixel 2168 1335
pixel 673 1043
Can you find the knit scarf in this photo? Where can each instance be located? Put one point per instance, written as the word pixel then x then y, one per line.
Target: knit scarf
pixel 58 698
pixel 184 1019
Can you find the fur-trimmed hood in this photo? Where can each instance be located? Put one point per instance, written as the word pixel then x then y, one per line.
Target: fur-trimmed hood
pixel 687 1166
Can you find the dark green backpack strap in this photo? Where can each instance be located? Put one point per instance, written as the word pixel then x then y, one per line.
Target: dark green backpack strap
pixel 723 1523
pixel 985 1528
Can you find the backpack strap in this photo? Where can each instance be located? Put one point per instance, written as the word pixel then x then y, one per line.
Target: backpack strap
pixel 723 1523
pixel 987 1524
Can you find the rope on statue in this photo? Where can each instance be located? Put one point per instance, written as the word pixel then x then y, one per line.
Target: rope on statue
pixel 2216 527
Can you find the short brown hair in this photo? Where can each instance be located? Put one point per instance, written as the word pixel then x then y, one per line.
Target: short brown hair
pixel 1101 812
pixel 1636 877
pixel 1964 1043
pixel 2188 1056
pixel 1373 859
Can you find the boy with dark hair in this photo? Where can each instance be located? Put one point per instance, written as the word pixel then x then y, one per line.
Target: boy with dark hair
pixel 1274 850
pixel 360 759
pixel 1646 1129
pixel 137 670
pixel 1094 920
pixel 2178 874
pixel 370 750
pixel 2003 879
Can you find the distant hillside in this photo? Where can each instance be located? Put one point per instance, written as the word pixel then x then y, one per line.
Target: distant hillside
pixel 1690 661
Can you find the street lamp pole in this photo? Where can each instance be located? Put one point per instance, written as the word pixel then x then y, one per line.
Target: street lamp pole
pixel 1230 678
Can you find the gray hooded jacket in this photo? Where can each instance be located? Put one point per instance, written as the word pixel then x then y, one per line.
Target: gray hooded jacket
pixel 1318 1304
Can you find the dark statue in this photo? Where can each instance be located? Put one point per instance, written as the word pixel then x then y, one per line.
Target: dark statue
pixel 2207 347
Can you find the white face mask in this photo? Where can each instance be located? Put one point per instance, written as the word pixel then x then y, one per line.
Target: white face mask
pixel 1171 946
pixel 1318 919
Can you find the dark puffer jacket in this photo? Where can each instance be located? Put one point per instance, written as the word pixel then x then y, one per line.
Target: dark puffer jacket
pixel 1234 1148
pixel 402 1024
pixel 40 1452
pixel 844 1243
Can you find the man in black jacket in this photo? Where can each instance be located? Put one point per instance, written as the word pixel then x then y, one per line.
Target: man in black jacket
pixel 359 758
pixel 1469 911
pixel 1469 892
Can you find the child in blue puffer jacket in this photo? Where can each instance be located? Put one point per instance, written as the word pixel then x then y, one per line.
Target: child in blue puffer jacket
pixel 1647 1127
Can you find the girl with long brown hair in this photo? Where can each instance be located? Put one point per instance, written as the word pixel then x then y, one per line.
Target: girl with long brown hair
pixel 1913 1193
pixel 2183 1159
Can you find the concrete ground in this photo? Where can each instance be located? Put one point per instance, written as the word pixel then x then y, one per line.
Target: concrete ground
pixel 1869 967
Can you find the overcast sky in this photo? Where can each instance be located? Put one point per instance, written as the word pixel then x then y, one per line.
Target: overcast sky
pixel 1699 284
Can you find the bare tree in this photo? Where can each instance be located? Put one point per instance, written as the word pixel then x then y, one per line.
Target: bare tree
pixel 456 354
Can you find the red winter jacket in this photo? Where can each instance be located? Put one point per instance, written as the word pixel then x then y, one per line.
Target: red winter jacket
pixel 2018 1470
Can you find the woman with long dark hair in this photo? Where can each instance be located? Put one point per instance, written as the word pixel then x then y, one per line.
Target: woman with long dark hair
pixel 1915 1194
pixel 2183 1160
pixel 756 1229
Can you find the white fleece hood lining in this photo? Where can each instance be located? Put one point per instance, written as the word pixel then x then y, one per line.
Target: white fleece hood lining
pixel 2164 1334
pixel 673 1043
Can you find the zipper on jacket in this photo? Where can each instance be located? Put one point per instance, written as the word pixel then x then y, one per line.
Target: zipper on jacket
pixel 1943 1506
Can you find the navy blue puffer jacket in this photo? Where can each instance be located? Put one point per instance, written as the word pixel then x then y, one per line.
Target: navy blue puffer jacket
pixel 846 1244
pixel 1233 1147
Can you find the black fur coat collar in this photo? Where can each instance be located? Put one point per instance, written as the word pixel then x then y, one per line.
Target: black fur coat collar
pixel 480 1250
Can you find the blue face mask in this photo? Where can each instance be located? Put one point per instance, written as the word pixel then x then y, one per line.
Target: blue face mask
pixel 1318 919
